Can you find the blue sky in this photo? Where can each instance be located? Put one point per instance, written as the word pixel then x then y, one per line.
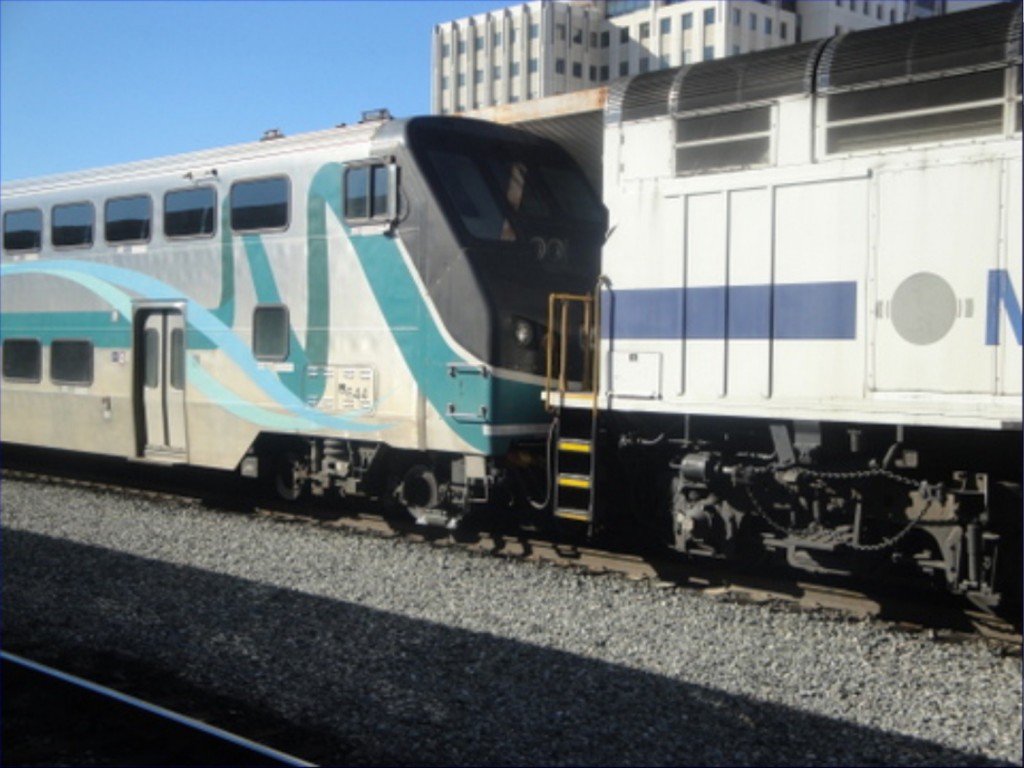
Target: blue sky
pixel 91 83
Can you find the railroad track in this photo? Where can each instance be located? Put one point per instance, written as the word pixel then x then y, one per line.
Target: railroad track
pixel 940 615
pixel 51 717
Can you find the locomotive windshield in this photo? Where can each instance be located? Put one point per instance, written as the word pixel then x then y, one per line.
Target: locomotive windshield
pixel 516 221
pixel 502 187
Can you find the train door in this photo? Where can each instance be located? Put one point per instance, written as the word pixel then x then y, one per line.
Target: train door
pixel 160 383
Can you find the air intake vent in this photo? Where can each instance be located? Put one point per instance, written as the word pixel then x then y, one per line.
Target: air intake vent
pixel 967 39
pixel 751 77
pixel 647 95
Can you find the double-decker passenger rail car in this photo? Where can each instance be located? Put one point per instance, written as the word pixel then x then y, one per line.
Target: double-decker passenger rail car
pixel 359 309
pixel 810 315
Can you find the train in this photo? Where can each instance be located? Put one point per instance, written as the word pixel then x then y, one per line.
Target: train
pixel 356 310
pixel 773 313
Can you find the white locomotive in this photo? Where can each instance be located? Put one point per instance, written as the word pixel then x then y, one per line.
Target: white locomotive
pixel 810 322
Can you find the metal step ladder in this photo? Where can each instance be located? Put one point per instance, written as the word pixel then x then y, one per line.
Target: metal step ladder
pixel 575 456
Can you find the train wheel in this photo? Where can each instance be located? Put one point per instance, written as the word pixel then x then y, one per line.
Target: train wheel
pixel 289 478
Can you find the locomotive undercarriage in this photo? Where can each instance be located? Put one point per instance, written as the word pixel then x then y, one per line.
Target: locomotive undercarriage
pixel 841 500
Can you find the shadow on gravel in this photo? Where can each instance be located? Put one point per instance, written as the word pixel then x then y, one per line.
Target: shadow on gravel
pixel 401 691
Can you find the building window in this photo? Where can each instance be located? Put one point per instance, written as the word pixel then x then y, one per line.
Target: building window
pixel 560 32
pixel 496 73
pixel 665 25
pixel 534 31
pixel 624 35
pixel 462 47
pixel 261 204
pixel 270 333
pixel 559 66
pixel 445 83
pixel 593 73
pixel 190 212
pixel 446 50
pixel 687 21
pixel 604 73
pixel 645 64
pixel 767 26
pixel 128 219
pixel 577 69
pixel 709 52
pixel 513 69
pixel 593 39
pixel 461 79
pixel 687 56
pixel 623 68
pixel 478 77
pixel 709 17
pixel 783 30
pixel 737 17
pixel 577 36
pixel 71 362
pixel 478 44
pixel 645 30
pixel 23 230
pixel 512 36
pixel 605 39
pixel 663 61
pixel 367 191
pixel 753 22
pixel 496 40
pixel 72 225
pixel 532 66
pixel 23 359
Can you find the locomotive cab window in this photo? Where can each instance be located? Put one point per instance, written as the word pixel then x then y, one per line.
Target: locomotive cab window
pixel 72 225
pixel 128 219
pixel 260 204
pixel 71 362
pixel 190 212
pixel 370 193
pixel 23 230
pixel 23 360
pixel 270 333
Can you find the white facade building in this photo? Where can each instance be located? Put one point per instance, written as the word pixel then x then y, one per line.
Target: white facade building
pixel 546 47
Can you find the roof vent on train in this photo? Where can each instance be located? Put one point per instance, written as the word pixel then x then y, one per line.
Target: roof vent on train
pixel 967 40
pixel 758 76
pixel 376 115
pixel 272 133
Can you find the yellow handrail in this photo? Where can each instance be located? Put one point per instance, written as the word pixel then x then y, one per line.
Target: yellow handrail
pixel 559 305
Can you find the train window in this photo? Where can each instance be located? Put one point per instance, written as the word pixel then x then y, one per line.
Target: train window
pixel 270 333
pixel 151 358
pixel 260 204
pixel 367 192
pixel 177 359
pixel 72 225
pixel 71 362
pixel 128 219
pixel 190 212
pixel 723 140
pixel 23 359
pixel 23 230
pixel 939 109
pixel 471 196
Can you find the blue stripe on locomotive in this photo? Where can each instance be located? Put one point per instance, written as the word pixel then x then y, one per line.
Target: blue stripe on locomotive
pixel 826 310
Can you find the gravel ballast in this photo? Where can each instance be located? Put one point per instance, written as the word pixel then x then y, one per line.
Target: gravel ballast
pixel 419 654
